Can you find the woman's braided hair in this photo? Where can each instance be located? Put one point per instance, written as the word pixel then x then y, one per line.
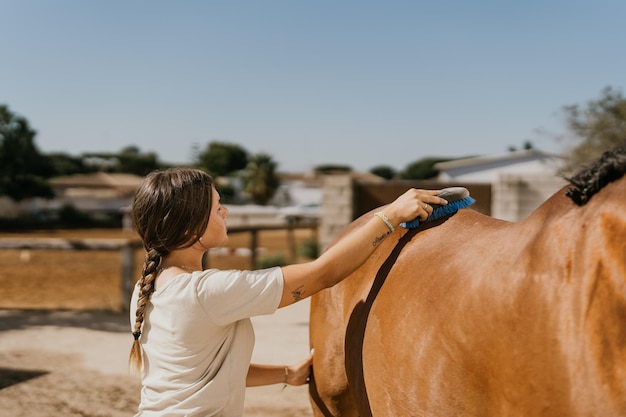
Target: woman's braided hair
pixel 170 211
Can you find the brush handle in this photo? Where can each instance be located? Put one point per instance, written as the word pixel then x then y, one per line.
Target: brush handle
pixel 452 194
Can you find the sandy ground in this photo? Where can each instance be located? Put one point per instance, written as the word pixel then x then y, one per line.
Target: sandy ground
pixel 73 363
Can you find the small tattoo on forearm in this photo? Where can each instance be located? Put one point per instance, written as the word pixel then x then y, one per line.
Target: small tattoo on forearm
pixel 379 239
pixel 298 293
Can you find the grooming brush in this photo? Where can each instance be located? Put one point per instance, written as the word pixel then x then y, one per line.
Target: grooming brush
pixel 457 197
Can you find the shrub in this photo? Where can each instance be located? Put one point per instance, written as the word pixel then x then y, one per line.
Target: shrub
pixel 268 261
pixel 309 249
pixel 71 217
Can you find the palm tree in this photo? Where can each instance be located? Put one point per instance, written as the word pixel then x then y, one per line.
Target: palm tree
pixel 260 178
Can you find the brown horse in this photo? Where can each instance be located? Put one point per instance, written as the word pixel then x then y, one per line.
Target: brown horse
pixel 473 316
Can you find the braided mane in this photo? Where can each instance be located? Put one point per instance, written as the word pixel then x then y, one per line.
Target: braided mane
pixel 586 183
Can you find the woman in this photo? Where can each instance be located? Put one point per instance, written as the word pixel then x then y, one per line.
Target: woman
pixel 193 335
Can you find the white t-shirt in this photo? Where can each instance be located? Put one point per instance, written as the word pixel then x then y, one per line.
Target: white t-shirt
pixel 197 340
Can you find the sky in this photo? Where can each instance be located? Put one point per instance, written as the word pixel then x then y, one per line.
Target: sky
pixel 359 83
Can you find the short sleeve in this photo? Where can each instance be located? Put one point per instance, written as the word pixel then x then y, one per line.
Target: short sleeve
pixel 229 296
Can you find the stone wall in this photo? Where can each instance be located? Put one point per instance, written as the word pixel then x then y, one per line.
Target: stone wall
pixel 337 207
pixel 517 196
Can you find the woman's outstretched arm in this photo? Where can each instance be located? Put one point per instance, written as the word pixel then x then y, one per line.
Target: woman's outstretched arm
pixel 344 257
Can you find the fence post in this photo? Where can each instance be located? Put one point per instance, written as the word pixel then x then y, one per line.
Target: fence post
pixel 253 248
pixel 128 269
pixel 291 242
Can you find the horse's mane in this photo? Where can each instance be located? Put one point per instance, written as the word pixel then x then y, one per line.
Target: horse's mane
pixel 587 182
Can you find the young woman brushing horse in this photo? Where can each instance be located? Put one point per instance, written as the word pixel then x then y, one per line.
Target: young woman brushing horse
pixel 482 317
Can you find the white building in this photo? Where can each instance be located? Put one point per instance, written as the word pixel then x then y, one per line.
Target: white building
pixel 490 168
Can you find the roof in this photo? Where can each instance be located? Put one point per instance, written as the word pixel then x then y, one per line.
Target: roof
pixel 488 169
pixel 316 179
pixel 100 185
pixel 490 159
pixel 98 180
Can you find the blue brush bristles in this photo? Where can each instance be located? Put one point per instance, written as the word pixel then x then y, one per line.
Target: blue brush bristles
pixel 457 197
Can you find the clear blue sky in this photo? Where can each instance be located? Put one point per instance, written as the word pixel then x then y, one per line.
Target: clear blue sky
pixel 362 83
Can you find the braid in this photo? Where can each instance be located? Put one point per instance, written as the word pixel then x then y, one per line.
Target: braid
pixel 146 288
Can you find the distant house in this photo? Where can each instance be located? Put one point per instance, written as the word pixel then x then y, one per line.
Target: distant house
pixel 520 180
pixel 101 185
pixel 298 189
pixel 98 193
pixel 294 192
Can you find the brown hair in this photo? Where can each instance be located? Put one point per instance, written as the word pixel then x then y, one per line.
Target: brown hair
pixel 170 211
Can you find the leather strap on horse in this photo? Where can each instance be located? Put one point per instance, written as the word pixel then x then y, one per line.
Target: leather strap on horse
pixel 315 396
pixel 355 331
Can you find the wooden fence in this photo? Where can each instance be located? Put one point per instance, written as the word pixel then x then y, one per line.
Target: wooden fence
pixel 289 227
pixel 127 247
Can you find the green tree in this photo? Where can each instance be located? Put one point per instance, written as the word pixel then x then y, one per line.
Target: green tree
pixel 64 164
pixel 132 161
pixel 383 171
pixel 333 168
pixel 222 158
pixel 260 178
pixel 23 169
pixel 129 160
pixel 528 145
pixel 597 127
pixel 422 169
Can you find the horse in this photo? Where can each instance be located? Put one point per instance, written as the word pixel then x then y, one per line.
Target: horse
pixel 474 316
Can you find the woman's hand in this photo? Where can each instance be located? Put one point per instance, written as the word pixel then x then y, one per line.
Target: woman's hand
pixel 298 374
pixel 413 203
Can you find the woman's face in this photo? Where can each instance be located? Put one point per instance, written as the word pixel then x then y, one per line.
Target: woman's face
pixel 216 231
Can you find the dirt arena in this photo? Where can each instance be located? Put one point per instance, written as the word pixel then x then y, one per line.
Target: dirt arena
pixel 64 343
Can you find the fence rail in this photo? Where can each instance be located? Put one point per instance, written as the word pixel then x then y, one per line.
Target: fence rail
pixel 127 248
pixel 289 227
